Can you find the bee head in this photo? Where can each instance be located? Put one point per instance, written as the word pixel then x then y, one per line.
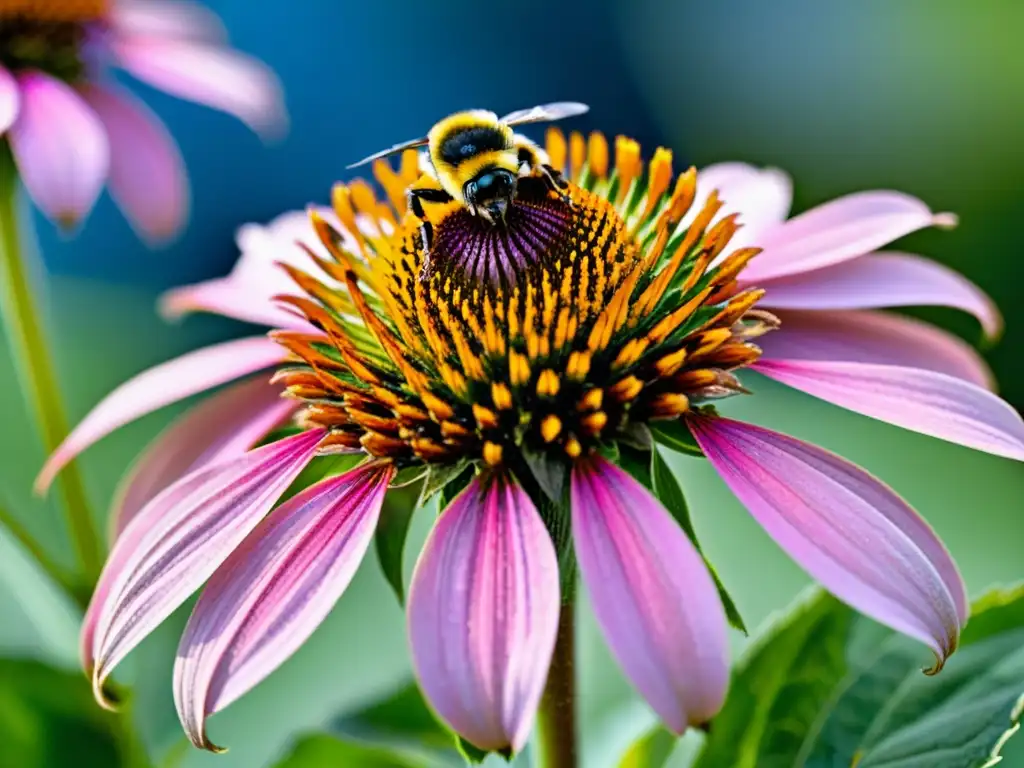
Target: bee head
pixel 490 192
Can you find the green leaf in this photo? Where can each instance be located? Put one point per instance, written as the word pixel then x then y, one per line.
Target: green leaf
pixel 826 687
pixel 676 435
pixel 666 488
pixel 319 750
pixel 651 750
pixel 454 488
pixel 438 477
pixel 392 528
pixel 474 755
pixel 48 718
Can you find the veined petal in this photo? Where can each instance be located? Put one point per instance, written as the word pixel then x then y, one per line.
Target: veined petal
pixel 653 597
pixel 922 401
pixel 208 74
pixel 147 174
pixel 10 99
pixel 483 614
pixel 761 196
pixel 159 386
pixel 849 226
pixel 60 147
pixel 166 18
pixel 223 426
pixel 272 592
pixel 873 337
pixel 883 280
pixel 847 529
pixel 178 540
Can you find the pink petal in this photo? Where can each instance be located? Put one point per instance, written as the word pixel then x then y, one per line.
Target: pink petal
pixel 654 599
pixel 761 196
pixel 221 427
pixel 922 401
pixel 272 592
pixel 60 147
pixel 10 99
pixel 847 529
pixel 230 297
pixel 883 280
pixel 873 337
pixel 208 74
pixel 159 386
pixel 483 614
pixel 166 18
pixel 849 226
pixel 147 174
pixel 178 540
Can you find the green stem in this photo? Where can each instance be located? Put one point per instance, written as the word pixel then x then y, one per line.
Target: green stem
pixel 23 322
pixel 21 534
pixel 556 718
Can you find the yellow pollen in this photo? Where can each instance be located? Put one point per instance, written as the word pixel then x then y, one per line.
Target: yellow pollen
pixel 485 417
pixel 578 366
pixel 438 408
pixel 591 401
pixel 671 363
pixel 577 153
pixel 573 447
pixel 598 155
pixel 660 177
pixel 550 427
pixel 595 422
pixel 627 163
pixel 556 148
pixel 519 368
pixel 626 389
pixel 492 453
pixel 547 383
pixel 669 405
pixel 501 395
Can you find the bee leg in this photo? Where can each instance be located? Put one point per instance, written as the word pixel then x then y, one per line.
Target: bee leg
pixel 553 178
pixel 415 198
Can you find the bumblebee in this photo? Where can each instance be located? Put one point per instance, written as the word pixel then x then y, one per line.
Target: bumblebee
pixel 478 159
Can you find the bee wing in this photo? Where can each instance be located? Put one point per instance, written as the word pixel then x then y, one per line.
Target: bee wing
pixel 392 150
pixel 545 113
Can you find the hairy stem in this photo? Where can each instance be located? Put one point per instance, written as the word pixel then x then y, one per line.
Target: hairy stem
pixel 23 323
pixel 556 719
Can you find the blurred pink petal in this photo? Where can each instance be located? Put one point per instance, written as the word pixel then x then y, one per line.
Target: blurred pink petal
pixel 652 594
pixel 147 174
pixel 273 591
pixel 60 148
pixel 844 527
pixel 228 297
pixel 922 401
pixel 166 18
pixel 883 280
pixel 178 540
pixel 223 426
pixel 207 74
pixel 483 614
pixel 761 196
pixel 162 385
pixel 10 99
pixel 846 227
pixel 873 337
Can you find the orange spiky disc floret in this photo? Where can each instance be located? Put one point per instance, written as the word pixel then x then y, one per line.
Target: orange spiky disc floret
pixel 554 336
pixel 54 10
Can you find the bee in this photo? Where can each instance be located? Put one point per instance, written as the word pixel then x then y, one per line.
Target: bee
pixel 478 159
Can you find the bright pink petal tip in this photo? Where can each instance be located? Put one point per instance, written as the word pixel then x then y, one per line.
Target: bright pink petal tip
pixel 483 614
pixel 208 74
pixel 273 591
pixel 842 229
pixel 652 594
pixel 866 336
pixel 922 401
pixel 223 426
pixel 176 543
pixel 60 147
pixel 847 529
pixel 10 99
pixel 159 386
pixel 883 280
pixel 147 174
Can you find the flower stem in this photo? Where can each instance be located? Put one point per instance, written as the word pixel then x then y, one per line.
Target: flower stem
pixel 556 719
pixel 21 534
pixel 23 323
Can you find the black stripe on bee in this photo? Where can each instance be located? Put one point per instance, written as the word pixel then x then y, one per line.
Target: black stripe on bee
pixel 470 142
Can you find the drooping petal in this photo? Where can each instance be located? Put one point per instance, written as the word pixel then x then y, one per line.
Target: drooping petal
pixel 483 614
pixel 60 147
pixel 922 401
pixel 847 529
pixel 166 18
pixel 159 386
pixel 208 74
pixel 653 597
pixel 883 280
pixel 147 174
pixel 761 196
pixel 230 297
pixel 223 426
pixel 272 592
pixel 178 540
pixel 849 226
pixel 10 99
pixel 873 337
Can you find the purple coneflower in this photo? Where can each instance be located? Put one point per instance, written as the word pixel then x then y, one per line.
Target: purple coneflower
pixel 634 316
pixel 71 129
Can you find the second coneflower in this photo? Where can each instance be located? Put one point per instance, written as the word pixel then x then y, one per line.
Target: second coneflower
pixel 614 321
